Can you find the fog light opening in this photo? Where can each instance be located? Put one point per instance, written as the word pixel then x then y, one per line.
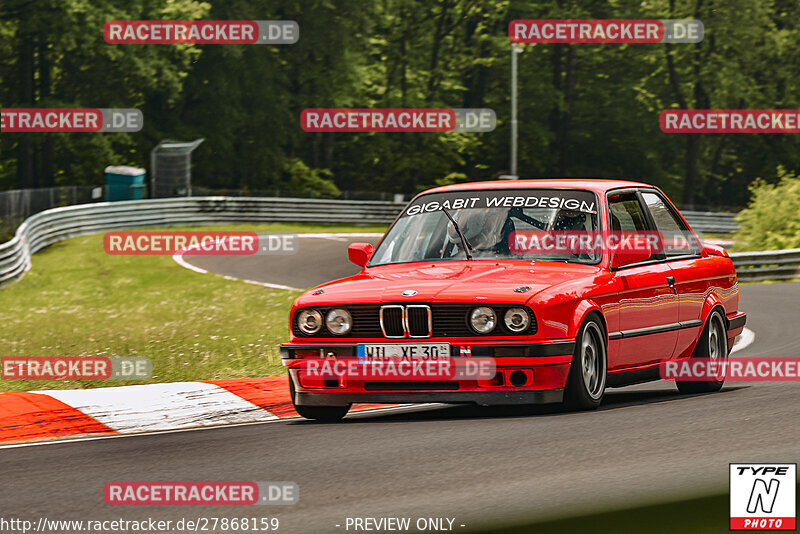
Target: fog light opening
pixel 518 378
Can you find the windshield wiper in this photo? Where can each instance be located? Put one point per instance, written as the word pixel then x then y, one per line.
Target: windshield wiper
pixel 464 242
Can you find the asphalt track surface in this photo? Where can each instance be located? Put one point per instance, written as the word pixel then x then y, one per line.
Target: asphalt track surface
pixel 318 260
pixel 485 467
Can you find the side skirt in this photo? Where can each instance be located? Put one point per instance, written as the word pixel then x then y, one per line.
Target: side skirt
pixel 629 378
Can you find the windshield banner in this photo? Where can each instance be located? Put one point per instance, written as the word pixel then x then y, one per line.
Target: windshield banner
pixel 583 201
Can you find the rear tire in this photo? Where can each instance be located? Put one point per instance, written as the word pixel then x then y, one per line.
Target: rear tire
pixel 586 383
pixel 713 346
pixel 326 414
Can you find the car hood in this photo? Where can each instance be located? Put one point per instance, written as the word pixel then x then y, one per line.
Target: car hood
pixel 461 281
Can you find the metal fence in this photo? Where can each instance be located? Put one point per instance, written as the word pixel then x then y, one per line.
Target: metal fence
pixel 18 204
pixel 711 222
pixel 767 265
pixel 50 226
pixel 47 227
pixel 171 168
pixel 282 193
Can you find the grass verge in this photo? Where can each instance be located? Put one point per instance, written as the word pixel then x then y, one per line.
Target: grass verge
pixel 79 301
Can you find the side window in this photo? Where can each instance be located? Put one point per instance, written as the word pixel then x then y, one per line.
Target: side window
pixel 676 241
pixel 626 213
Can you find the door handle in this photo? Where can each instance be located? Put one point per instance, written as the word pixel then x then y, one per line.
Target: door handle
pixel 671 282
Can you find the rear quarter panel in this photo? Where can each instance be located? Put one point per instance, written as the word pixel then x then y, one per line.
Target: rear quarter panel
pixel 703 284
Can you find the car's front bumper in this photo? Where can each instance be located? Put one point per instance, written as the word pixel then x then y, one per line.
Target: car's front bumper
pixel 482 398
pixel 546 365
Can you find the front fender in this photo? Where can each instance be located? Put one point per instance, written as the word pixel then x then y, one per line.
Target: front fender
pixel 584 308
pixel 562 309
pixel 563 320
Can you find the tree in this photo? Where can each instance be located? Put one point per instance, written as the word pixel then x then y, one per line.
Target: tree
pixel 56 57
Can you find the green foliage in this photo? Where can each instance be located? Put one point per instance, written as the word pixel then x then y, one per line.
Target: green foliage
pixel 303 179
pixel 54 55
pixel 771 221
pixel 79 301
pixel 450 179
pixel 584 109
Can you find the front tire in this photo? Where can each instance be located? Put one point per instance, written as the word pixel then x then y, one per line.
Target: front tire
pixel 326 414
pixel 586 382
pixel 713 346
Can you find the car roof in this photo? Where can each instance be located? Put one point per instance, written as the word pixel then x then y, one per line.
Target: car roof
pixel 599 185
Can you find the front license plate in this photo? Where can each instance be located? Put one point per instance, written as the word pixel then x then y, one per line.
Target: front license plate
pixel 406 351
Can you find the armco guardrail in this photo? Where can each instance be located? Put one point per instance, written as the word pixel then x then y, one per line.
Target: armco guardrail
pixel 48 227
pixel 767 265
pixel 711 222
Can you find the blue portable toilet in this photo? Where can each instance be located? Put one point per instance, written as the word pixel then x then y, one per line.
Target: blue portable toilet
pixel 124 183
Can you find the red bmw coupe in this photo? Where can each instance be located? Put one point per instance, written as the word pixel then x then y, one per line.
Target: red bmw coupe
pixel 531 291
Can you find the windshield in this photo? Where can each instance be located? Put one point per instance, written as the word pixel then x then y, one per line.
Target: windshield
pixel 512 224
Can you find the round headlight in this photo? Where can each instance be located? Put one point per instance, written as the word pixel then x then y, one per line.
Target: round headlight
pixel 339 321
pixel 309 321
pixel 517 320
pixel 483 320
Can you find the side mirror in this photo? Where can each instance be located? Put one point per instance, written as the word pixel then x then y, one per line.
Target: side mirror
pixel 359 253
pixel 632 250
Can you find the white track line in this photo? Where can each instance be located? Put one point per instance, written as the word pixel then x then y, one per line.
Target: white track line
pixel 266 284
pixel 178 258
pixel 743 340
pixel 180 261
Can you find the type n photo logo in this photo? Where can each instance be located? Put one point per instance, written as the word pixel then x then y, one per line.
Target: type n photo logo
pixel 763 496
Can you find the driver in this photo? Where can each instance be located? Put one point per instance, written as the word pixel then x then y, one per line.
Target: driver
pixel 574 222
pixel 482 228
pixel 568 220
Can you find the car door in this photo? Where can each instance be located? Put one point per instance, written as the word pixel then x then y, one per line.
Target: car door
pixel 692 280
pixel 648 306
